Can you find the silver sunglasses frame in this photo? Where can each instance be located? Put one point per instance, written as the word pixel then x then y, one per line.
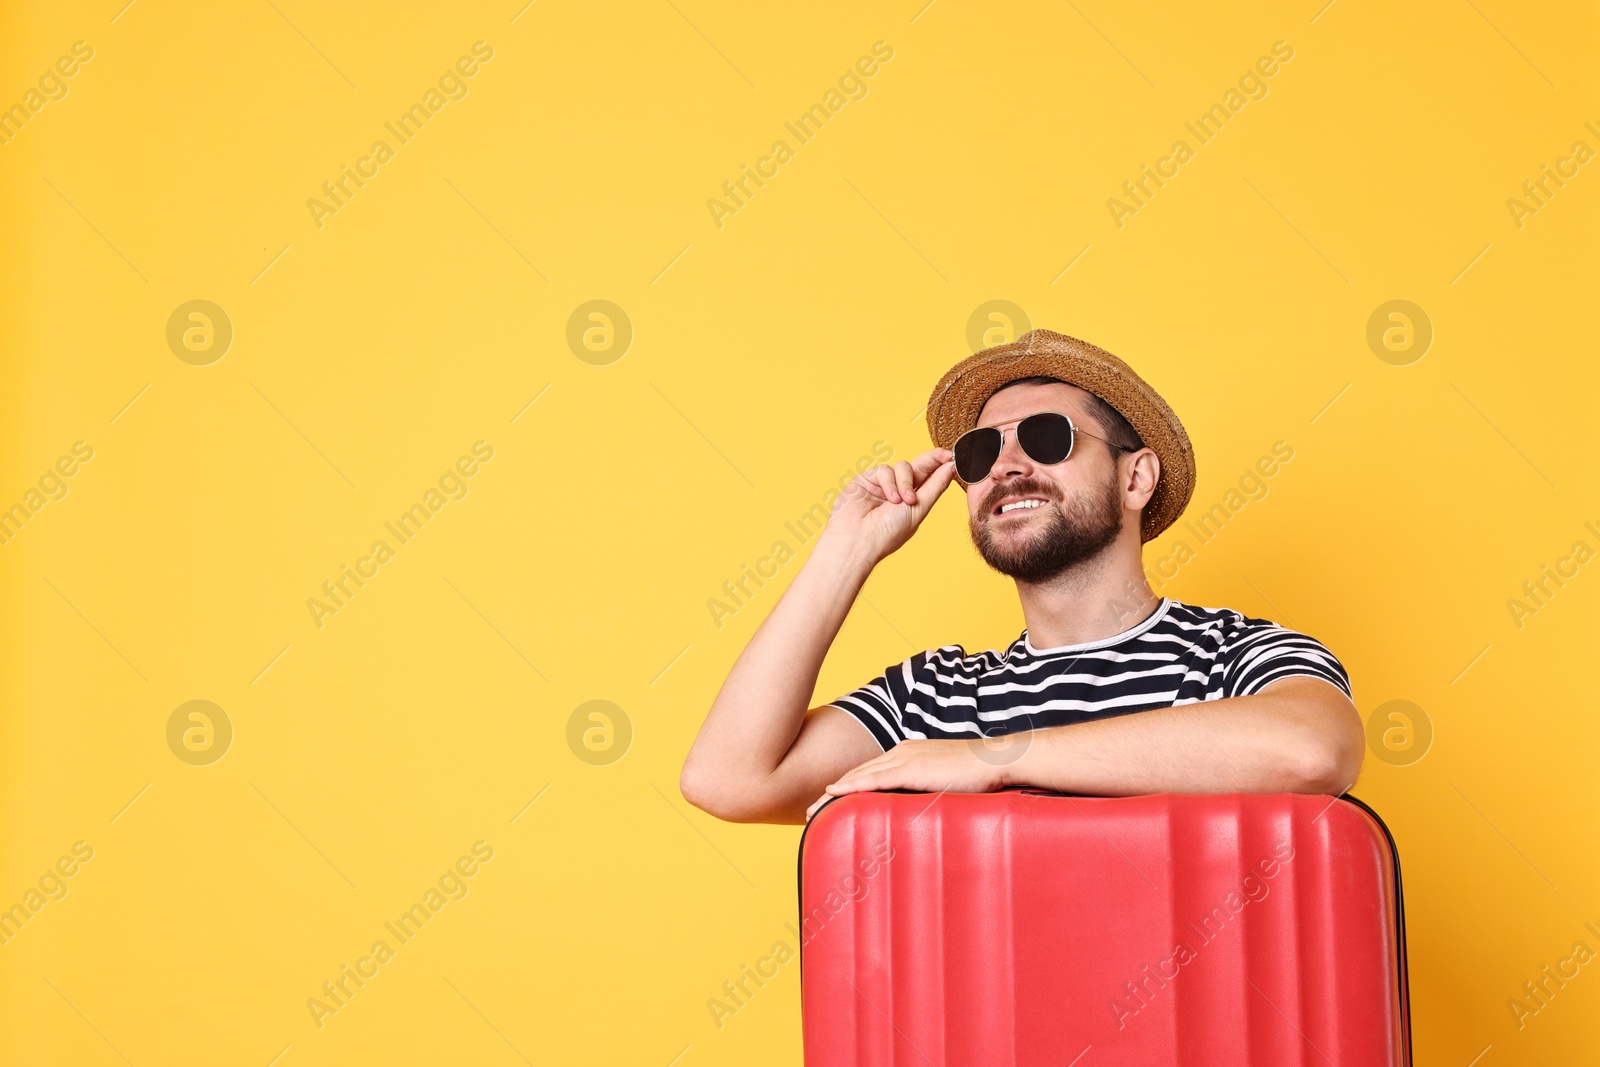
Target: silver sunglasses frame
pixel 1071 448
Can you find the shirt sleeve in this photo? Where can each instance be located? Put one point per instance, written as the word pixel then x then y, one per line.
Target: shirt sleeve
pixel 1263 652
pixel 879 704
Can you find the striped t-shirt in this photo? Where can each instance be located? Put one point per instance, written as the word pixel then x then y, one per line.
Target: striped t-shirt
pixel 1180 654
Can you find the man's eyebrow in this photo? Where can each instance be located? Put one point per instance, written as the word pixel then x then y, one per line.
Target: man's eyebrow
pixel 1059 411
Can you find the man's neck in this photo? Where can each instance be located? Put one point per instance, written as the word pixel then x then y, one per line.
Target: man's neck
pixel 1098 598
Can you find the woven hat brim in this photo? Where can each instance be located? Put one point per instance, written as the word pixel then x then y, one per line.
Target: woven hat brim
pixel 959 396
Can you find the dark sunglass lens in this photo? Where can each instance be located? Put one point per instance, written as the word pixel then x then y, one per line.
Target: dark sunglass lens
pixel 976 451
pixel 1045 437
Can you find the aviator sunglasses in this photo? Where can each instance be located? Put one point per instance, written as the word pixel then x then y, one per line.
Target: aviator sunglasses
pixel 1046 437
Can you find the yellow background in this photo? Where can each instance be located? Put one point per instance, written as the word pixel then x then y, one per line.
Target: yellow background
pixel 768 356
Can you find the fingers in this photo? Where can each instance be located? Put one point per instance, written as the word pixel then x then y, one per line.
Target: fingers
pixel 884 476
pixel 898 483
pixel 867 767
pixel 857 780
pixel 867 776
pixel 874 483
pixel 865 780
pixel 867 484
pixel 930 461
pixel 905 482
pixel 934 487
pixel 854 782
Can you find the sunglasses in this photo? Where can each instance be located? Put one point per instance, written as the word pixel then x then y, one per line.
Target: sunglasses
pixel 1046 437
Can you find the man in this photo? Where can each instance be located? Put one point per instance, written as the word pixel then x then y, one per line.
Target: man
pixel 1109 690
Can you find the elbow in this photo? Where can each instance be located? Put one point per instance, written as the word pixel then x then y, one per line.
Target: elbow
pixel 711 793
pixel 1329 765
pixel 693 783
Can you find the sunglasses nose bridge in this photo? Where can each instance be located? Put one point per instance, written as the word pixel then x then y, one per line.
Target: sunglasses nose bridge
pixel 980 443
pixel 1012 454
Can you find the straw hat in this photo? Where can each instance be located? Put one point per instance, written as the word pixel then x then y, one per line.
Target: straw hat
pixel 960 395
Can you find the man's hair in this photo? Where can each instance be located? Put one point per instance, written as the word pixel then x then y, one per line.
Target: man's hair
pixel 1116 428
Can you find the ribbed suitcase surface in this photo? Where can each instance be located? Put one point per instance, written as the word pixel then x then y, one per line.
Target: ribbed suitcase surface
pixel 1030 928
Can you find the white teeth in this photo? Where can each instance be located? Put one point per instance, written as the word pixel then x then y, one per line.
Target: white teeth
pixel 1021 504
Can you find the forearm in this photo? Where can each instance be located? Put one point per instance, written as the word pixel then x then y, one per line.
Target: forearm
pixel 1290 739
pixel 759 710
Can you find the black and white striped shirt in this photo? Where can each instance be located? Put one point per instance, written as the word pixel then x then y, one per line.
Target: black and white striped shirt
pixel 1180 654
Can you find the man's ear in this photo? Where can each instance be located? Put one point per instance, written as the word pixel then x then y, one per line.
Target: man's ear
pixel 1143 473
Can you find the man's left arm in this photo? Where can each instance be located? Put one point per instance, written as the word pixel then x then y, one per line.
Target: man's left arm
pixel 1298 734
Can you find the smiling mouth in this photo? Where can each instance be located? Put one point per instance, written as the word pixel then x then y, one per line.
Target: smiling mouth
pixel 1021 506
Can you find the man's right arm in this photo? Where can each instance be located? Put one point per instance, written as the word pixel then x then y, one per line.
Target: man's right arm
pixel 762 755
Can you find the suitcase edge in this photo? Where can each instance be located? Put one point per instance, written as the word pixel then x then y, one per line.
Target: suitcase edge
pixel 1401 958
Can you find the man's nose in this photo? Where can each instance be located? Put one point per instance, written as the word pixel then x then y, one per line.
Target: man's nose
pixel 1012 459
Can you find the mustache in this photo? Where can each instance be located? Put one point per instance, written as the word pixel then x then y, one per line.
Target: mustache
pixel 1020 487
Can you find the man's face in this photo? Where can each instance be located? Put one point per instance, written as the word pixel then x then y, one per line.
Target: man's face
pixel 1081 509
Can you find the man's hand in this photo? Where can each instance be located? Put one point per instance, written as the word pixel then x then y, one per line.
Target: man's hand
pixel 761 753
pixel 881 508
pixel 927 766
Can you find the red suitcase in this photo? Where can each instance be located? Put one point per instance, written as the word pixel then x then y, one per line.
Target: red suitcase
pixel 1033 928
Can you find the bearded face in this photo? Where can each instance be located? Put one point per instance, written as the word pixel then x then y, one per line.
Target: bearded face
pixel 1027 530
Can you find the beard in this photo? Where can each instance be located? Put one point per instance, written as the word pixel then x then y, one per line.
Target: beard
pixel 1064 537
